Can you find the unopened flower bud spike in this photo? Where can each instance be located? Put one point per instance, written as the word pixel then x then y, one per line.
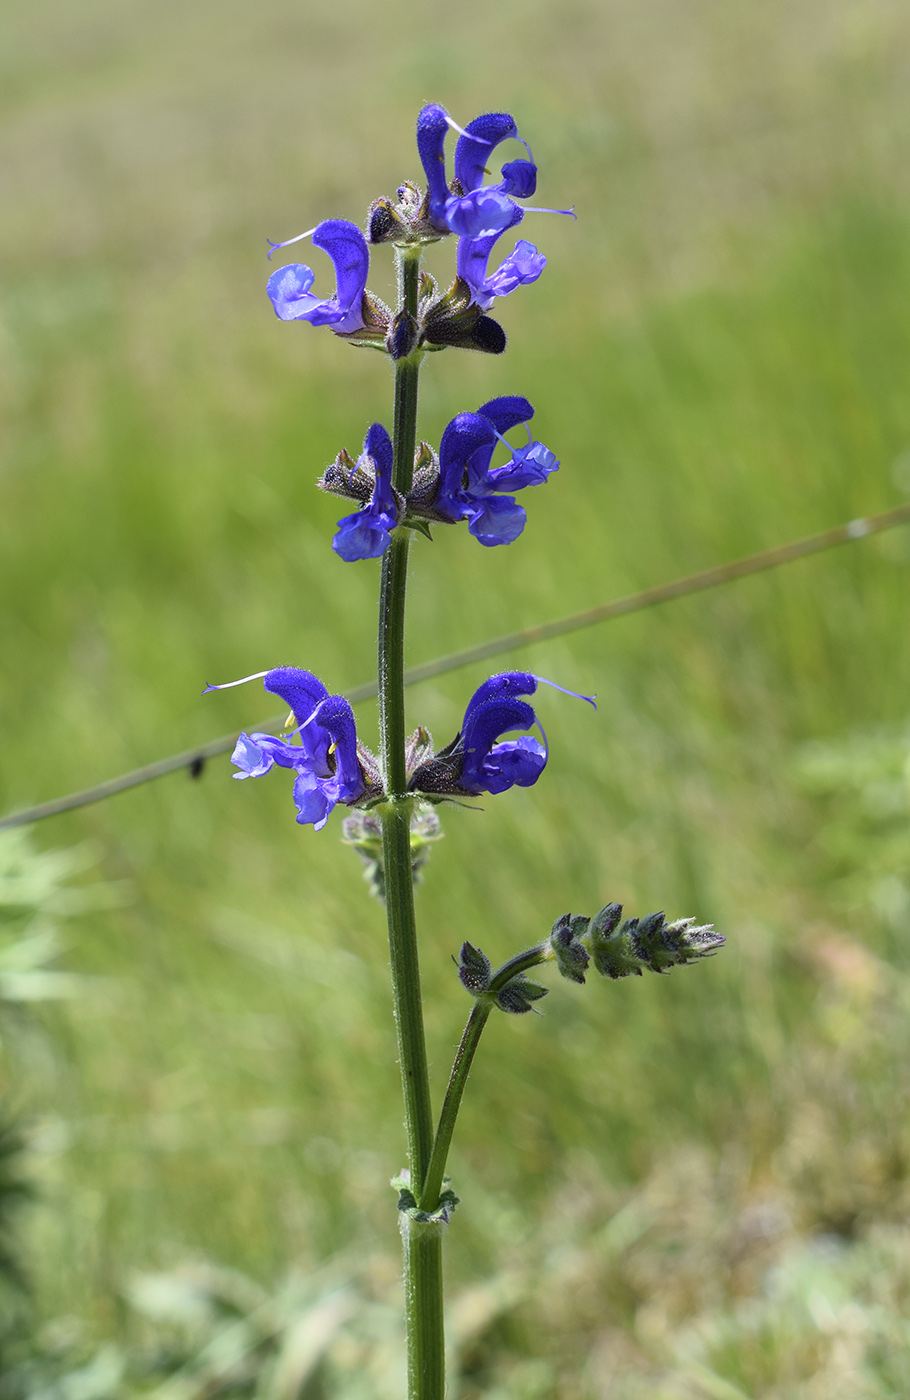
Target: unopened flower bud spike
pixel 574 941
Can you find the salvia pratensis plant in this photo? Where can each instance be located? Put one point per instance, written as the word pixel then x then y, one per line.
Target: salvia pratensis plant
pixel 402 487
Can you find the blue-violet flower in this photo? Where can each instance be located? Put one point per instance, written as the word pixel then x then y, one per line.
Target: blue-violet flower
pixel 325 756
pixel 478 759
pixel 467 484
pixel 289 287
pixel 367 533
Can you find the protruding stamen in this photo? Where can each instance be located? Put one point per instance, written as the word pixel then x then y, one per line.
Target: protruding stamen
pixel 461 132
pixel 542 680
pixel 288 241
pixel 292 733
pixel 257 676
pixel 505 442
pixel 533 209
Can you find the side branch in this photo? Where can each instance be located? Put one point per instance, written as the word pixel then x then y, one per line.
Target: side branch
pixel 461 1068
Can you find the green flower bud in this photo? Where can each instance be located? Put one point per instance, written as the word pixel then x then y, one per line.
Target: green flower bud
pixel 363 831
pixel 385 223
pixel 455 319
pixel 606 919
pixel 517 996
pixel 402 336
pixel 612 950
pixel 664 945
pixel 474 969
pixel 622 950
pixel 571 956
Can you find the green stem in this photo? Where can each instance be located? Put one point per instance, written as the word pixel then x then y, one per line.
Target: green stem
pixel 423 1308
pixel 412 1054
pixel 406 371
pixel 392 593
pixel 461 1068
pixel 423 1245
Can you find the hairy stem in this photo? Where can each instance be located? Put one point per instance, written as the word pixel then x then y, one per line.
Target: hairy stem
pixel 423 1308
pixel 422 1245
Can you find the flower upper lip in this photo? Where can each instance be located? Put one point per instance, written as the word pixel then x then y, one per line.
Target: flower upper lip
pixel 489 766
pixel 480 138
pixel 477 209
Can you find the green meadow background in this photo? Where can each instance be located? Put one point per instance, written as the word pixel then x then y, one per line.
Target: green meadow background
pixel 689 1188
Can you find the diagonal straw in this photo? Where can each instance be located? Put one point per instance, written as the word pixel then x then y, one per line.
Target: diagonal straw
pixel 194 759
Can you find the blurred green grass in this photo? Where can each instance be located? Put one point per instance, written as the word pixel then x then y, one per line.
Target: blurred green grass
pixel 718 352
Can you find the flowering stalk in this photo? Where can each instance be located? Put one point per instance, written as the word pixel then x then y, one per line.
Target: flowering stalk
pixel 399 491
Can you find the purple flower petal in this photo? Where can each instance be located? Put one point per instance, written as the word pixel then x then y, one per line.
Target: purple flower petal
pixel 347 247
pixel 479 214
pixel 378 445
pixel 252 758
pixel 484 724
pixel 313 806
pixel 519 178
pixel 336 717
pixel 466 435
pixel 507 685
pixel 516 763
pixel 522 267
pixel 530 466
pixel 288 289
pixel 474 254
pixel 507 412
pixel 364 535
pixel 472 155
pixel 497 520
